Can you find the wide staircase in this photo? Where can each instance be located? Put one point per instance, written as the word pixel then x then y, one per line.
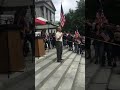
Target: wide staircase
pixel 52 75
pixel 102 78
pixel 47 74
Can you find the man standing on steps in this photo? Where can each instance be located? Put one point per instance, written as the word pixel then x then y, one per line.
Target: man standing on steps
pixel 59 40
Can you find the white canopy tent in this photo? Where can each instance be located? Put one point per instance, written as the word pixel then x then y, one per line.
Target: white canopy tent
pixel 40 21
pixel 41 27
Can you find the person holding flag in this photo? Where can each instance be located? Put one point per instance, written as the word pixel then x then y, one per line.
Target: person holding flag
pixel 59 36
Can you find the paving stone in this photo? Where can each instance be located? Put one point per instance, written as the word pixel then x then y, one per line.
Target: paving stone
pixel 102 76
pixel 67 62
pixel 67 84
pixel 97 87
pixel 42 64
pixel 80 80
pixel 60 72
pixel 72 56
pixel 23 84
pixel 79 83
pixel 87 80
pixel 82 68
pixel 52 57
pixel 42 75
pixel 66 54
pixel 56 76
pixel 114 82
pixel 74 65
pixel 50 53
pixel 77 59
pixel 91 70
pixel 70 76
pixel 79 88
pixel 90 73
pixel 82 61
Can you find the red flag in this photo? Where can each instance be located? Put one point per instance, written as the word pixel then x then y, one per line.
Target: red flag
pixel 62 18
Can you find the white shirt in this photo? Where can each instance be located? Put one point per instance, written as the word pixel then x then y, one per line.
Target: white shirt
pixel 58 34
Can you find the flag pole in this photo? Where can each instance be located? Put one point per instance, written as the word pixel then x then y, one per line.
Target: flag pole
pixel 60 14
pixel 61 1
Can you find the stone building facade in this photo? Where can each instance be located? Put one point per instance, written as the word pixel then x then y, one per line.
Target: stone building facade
pixel 46 10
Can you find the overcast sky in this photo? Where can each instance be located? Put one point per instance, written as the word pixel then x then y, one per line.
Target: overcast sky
pixel 67 4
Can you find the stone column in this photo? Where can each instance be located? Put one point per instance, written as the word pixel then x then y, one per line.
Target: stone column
pixel 40 12
pixel 48 15
pixel 51 16
pixel 44 9
pixel 54 17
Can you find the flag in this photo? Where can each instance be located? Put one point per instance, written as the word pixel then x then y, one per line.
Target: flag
pixel 97 15
pixel 77 34
pixel 105 37
pixel 62 17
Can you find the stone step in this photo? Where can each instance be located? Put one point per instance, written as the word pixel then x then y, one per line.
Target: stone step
pixel 79 83
pixel 101 79
pixel 97 87
pixel 68 80
pixel 114 83
pixel 2 87
pixel 45 74
pixel 83 61
pixel 90 72
pixel 16 77
pixel 54 81
pixel 42 65
pixel 24 84
pixel 41 78
pixel 48 54
pixel 16 80
pixel 102 76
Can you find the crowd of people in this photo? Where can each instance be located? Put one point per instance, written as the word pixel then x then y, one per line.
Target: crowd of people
pixel 105 37
pixel 71 41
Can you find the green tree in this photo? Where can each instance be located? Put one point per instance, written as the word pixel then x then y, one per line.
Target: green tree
pixel 75 18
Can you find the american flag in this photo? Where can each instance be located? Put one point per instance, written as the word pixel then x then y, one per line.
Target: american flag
pixel 105 37
pixel 77 34
pixel 62 18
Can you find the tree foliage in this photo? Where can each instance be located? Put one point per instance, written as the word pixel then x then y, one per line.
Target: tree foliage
pixel 75 18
